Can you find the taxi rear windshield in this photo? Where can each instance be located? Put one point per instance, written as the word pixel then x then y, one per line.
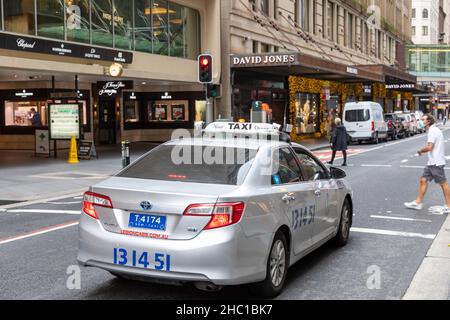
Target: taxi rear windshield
pixel 199 164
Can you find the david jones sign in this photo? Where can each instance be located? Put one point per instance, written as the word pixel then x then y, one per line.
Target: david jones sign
pixel 264 60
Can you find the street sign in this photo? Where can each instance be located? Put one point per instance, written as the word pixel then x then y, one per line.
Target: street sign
pixel 42 142
pixel 86 150
pixel 64 121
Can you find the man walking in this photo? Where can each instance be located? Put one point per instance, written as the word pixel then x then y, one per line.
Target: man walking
pixel 435 169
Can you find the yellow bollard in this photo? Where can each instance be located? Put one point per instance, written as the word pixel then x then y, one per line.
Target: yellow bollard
pixel 73 154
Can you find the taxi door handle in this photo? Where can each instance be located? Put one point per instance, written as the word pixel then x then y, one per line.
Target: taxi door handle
pixel 288 198
pixel 318 193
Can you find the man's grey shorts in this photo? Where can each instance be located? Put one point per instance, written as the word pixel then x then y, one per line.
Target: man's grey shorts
pixel 436 173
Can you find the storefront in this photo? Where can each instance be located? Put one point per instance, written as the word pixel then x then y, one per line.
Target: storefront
pixel 307 91
pixel 396 91
pixel 152 116
pixel 22 111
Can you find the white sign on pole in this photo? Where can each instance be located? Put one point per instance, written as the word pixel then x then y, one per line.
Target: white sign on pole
pixel 64 121
pixel 42 142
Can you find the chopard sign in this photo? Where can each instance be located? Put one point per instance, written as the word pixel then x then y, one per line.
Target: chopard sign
pixel 23 44
pixel 61 48
pixel 263 60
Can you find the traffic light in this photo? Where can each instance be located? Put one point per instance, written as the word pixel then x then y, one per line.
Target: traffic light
pixel 213 91
pixel 205 68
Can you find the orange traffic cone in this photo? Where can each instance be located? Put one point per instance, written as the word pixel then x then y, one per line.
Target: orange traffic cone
pixel 73 154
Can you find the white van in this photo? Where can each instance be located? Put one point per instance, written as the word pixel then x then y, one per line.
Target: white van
pixel 364 121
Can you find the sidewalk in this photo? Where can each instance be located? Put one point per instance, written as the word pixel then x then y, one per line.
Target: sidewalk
pixel 25 177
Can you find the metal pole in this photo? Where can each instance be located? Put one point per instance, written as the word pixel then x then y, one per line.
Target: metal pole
pixel 125 154
pixel 54 141
pixel 209 107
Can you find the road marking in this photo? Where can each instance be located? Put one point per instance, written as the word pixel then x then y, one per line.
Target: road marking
pixel 394 233
pixel 78 198
pixel 74 212
pixel 39 232
pixel 413 167
pixel 404 161
pixel 377 165
pixel 399 218
pixel 2 210
pixel 64 203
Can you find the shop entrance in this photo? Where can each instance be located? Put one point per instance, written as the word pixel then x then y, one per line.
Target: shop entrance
pixel 107 122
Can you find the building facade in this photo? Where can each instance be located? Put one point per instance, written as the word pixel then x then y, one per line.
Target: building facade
pixel 319 55
pixel 131 65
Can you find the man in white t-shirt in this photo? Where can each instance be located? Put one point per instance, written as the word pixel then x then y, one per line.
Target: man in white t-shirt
pixel 435 169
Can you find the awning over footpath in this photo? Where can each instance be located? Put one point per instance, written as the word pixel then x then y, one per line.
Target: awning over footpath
pixel 298 64
pixel 395 79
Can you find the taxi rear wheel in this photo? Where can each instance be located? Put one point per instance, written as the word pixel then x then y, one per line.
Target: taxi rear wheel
pixel 343 234
pixel 277 266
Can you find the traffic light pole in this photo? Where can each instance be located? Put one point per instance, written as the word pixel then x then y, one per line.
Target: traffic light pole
pixel 209 107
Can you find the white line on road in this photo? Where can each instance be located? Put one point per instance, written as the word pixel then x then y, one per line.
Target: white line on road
pixel 413 167
pixel 377 165
pixel 74 212
pixel 39 232
pixel 394 233
pixel 64 203
pixel 399 218
pixel 404 161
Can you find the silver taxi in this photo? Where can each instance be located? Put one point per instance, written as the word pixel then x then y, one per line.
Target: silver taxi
pixel 216 211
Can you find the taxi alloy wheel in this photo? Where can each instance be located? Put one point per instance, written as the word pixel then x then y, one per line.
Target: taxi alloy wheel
pixel 277 263
pixel 343 234
pixel 277 266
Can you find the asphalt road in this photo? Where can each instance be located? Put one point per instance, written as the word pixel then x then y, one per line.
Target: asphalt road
pixel 374 265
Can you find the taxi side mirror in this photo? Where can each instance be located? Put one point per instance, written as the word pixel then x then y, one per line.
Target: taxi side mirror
pixel 337 173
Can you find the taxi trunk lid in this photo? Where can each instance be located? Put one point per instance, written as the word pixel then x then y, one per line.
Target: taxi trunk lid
pixel 153 204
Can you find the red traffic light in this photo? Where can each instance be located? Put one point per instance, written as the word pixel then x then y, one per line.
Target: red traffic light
pixel 205 71
pixel 205 62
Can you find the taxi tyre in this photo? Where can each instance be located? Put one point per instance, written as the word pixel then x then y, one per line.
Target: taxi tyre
pixel 267 288
pixel 341 238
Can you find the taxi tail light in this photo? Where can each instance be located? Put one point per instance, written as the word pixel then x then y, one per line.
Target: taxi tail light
pixel 91 200
pixel 222 214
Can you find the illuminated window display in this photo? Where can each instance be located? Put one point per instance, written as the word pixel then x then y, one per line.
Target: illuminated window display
pixel 168 111
pixel 307 109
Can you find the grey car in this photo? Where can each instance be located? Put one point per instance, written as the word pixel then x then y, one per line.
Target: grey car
pixel 215 211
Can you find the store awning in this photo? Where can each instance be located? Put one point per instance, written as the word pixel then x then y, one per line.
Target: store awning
pixel 298 64
pixel 395 79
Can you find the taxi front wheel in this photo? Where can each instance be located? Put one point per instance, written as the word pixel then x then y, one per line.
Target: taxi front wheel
pixel 277 266
pixel 343 234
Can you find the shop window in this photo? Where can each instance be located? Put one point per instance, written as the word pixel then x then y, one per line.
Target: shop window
pixel 77 21
pixel 34 113
pixel 19 16
pixel 200 110
pixel 50 18
pixel 102 34
pixel 123 24
pixel 143 26
pixel 131 111
pixel 176 19
pixel 168 111
pixel 307 113
pixel 160 31
pixel 26 113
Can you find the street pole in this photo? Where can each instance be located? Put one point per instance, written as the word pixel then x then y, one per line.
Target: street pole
pixel 209 107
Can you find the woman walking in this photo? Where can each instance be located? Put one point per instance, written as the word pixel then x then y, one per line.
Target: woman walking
pixel 339 141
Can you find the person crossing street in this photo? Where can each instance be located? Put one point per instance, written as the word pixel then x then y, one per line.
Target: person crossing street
pixel 339 141
pixel 435 169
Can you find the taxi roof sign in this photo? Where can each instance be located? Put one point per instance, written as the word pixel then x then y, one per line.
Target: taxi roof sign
pixel 244 128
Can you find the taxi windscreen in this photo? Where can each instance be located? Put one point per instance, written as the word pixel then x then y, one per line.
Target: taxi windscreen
pixel 197 164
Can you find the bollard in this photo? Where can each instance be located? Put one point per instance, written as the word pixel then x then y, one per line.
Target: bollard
pixel 125 154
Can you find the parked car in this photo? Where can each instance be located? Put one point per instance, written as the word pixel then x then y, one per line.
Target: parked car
pixel 406 121
pixel 364 121
pixel 396 129
pixel 419 116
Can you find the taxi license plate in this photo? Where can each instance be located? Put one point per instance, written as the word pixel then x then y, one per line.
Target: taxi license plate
pixel 147 221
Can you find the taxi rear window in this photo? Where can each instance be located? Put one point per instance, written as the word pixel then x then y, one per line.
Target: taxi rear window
pixel 199 164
